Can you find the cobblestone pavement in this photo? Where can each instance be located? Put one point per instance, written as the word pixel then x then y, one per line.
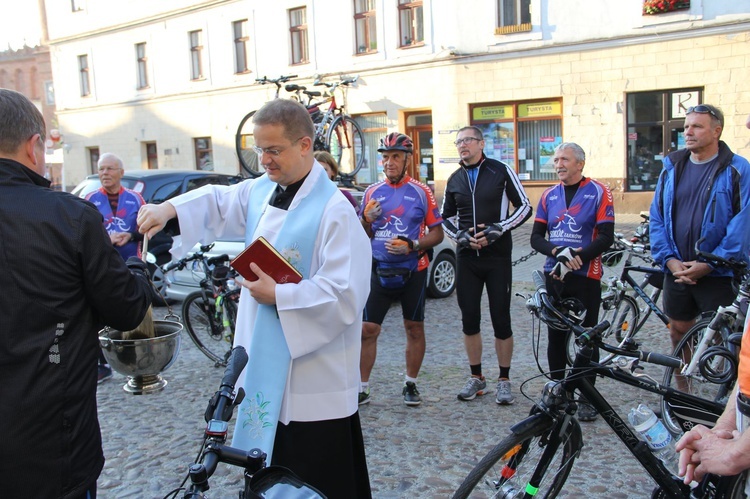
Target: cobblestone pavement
pixel 424 451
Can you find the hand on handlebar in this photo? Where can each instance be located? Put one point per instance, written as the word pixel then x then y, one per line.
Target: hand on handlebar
pixel 153 217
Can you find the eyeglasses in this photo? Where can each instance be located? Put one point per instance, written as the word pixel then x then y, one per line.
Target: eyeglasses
pixel 275 152
pixel 466 140
pixel 108 168
pixel 702 109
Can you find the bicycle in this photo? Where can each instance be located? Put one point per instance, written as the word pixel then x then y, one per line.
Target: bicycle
pixel 246 155
pixel 260 481
pixel 536 458
pixel 210 313
pixel 710 349
pixel 337 132
pixel 624 311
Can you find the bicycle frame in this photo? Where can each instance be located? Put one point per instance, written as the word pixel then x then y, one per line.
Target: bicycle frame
pixel 558 396
pixel 641 292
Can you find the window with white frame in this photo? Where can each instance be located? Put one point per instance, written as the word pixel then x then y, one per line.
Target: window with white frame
pixel 513 16
pixel 196 54
pixel 83 75
pixel 239 29
pixel 410 23
pixel 298 32
pixel 365 27
pixel 141 65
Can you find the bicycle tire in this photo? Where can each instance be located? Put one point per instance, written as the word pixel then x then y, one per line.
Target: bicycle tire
pixel 521 453
pixel 696 385
pixel 248 158
pixel 201 327
pixel 346 142
pixel 231 302
pixel 623 319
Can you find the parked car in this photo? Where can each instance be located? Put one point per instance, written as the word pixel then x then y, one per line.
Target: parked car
pixel 157 186
pixel 441 274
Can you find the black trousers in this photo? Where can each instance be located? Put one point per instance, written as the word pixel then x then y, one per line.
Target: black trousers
pixel 329 455
pixel 587 290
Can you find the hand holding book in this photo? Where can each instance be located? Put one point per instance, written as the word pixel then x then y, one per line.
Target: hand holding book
pixel 270 261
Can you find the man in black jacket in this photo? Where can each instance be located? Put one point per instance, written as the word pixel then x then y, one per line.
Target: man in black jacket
pixel 62 280
pixel 476 214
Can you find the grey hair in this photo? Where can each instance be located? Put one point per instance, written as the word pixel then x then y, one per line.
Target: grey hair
pixel 19 121
pixel 577 150
pixel 109 155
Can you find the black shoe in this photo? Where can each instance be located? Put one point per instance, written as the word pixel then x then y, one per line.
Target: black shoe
pixel 411 394
pixel 586 412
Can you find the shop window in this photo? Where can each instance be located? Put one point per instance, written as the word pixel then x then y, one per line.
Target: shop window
pixel 203 153
pixel 522 135
pixel 364 26
pixel 298 32
pixel 374 127
pixel 655 128
pixel 411 25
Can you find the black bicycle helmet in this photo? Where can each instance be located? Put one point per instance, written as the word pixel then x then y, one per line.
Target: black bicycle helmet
pixel 612 257
pixel 571 308
pixel 396 141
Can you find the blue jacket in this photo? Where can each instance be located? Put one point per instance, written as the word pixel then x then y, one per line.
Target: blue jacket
pixel 726 222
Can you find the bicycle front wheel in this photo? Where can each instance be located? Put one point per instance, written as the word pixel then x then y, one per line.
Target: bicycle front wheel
pixel 346 142
pixel 623 324
pixel 694 383
pixel 199 319
pixel 507 469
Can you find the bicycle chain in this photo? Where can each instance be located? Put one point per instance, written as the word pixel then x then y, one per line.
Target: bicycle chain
pixel 524 258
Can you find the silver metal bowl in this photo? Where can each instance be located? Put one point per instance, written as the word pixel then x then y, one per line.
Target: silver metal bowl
pixel 142 360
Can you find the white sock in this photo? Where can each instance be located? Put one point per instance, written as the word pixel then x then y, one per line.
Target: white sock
pixel 364 386
pixel 407 378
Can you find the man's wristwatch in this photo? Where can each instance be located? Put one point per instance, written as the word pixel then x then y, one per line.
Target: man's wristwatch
pixel 416 246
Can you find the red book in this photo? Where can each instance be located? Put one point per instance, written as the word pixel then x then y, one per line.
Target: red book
pixel 270 261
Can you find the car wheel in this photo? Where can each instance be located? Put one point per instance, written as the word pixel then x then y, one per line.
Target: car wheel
pixel 442 279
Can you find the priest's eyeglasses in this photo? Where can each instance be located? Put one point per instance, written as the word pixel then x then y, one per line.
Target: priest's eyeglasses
pixel 274 152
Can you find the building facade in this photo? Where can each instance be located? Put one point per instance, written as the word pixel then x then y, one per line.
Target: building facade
pixel 165 84
pixel 28 70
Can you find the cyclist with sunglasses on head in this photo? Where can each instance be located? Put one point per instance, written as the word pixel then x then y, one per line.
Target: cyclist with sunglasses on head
pixel 703 193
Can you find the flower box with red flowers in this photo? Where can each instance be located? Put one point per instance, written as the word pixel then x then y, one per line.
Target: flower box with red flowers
pixel 651 7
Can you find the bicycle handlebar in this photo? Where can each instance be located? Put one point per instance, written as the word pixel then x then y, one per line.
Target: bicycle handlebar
pixel 591 336
pixel 277 81
pixel 737 266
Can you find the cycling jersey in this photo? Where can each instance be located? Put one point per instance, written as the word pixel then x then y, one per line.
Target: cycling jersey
pixel 577 225
pixel 408 209
pixel 123 220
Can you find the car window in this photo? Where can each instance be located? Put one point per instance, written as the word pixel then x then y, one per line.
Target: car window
pixel 195 182
pixel 86 187
pixel 165 192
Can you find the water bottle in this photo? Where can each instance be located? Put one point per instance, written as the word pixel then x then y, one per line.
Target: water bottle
pixel 657 437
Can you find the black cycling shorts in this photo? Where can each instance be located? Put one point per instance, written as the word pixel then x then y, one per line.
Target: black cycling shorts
pixel 684 302
pixel 411 296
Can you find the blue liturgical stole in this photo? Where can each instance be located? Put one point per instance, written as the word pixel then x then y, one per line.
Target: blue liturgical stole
pixel 268 368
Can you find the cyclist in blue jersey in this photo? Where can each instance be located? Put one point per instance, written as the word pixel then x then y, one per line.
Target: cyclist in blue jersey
pixel 397 213
pixel 574 225
pixel 118 205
